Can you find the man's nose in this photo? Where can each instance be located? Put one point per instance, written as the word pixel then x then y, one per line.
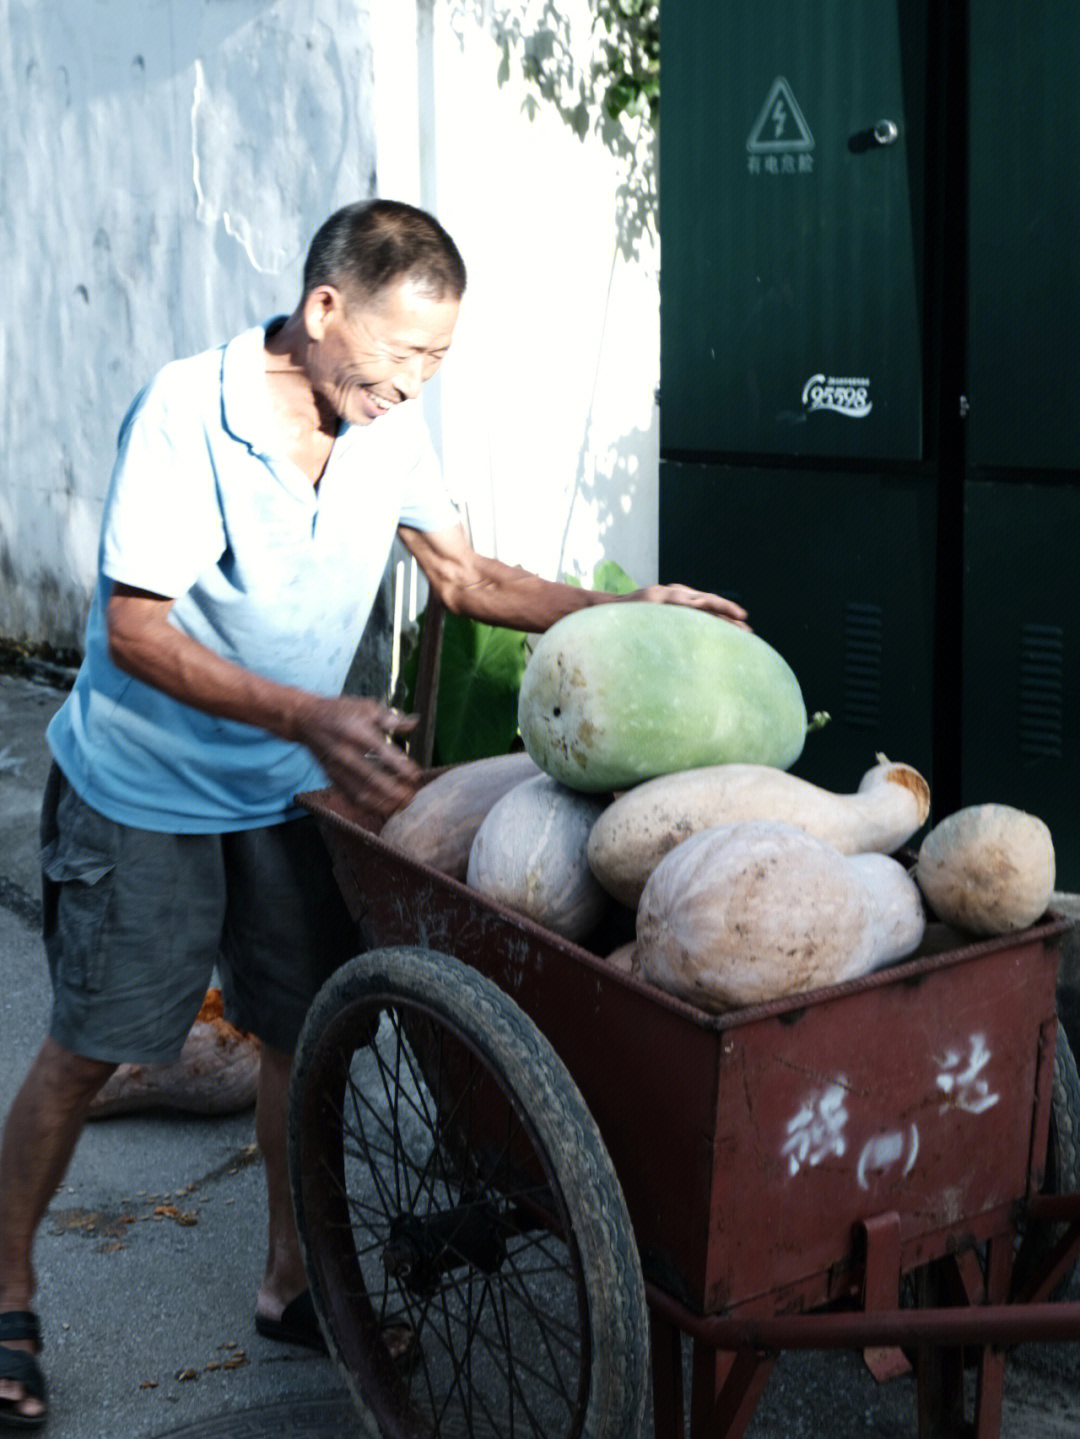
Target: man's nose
pixel 410 377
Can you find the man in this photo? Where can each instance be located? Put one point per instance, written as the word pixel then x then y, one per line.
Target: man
pixel 254 499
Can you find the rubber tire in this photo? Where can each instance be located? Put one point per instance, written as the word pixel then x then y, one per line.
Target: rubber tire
pixel 463 1005
pixel 1062 1174
pixel 1063 1149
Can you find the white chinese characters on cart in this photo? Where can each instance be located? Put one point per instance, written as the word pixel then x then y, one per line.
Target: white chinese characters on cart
pixel 818 1129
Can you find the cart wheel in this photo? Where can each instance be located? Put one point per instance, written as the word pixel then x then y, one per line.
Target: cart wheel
pixel 466 1240
pixel 1062 1174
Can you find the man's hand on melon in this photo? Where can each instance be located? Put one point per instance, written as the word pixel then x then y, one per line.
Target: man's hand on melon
pixel 692 599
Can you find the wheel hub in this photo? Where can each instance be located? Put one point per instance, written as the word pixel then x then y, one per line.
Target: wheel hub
pixel 420 1250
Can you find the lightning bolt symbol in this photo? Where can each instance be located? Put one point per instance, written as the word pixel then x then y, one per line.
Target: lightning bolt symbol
pixel 779 116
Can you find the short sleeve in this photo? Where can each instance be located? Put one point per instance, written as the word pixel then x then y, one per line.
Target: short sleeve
pixel 425 500
pixel 162 526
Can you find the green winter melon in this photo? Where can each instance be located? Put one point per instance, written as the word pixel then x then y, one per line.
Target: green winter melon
pixel 617 693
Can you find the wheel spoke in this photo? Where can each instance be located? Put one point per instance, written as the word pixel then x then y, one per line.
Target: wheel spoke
pixel 438 1208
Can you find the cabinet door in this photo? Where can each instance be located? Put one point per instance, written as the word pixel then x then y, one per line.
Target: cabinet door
pixel 791 167
pixel 1024 219
pixel 1021 669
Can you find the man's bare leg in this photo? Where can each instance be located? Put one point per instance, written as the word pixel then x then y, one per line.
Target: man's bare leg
pixel 39 1139
pixel 284 1278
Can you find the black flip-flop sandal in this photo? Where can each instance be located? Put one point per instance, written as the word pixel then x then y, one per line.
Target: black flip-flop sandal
pixel 298 1324
pixel 22 1368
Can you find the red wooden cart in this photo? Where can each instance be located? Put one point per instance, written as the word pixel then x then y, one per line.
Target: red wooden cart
pixel 875 1166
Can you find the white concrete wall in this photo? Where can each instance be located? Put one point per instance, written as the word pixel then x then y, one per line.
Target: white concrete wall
pixel 548 420
pixel 163 164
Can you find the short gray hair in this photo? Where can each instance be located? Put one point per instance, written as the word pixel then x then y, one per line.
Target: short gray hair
pixel 370 244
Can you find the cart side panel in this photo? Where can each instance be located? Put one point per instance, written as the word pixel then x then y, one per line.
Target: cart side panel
pixel 915 1095
pixel 646 1066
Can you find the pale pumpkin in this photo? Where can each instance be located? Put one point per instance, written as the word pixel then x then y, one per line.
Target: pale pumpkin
pixel 756 910
pixel 438 825
pixel 529 854
pixel 989 869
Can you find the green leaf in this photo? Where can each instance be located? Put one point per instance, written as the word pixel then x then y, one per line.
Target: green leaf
pixel 608 577
pixel 612 579
pixel 479 678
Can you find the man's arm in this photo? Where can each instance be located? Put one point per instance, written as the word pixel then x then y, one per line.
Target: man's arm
pixel 347 735
pixel 485 589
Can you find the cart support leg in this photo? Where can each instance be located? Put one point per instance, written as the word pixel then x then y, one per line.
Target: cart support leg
pixel 988 1395
pixel 881 1290
pixel 940 1376
pixel 940 1387
pixel 669 1418
pixel 940 1371
pixel 726 1389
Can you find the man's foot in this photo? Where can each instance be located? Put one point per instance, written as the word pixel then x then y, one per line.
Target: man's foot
pixel 297 1324
pixel 22 1384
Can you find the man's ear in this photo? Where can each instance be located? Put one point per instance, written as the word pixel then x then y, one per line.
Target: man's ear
pixel 320 306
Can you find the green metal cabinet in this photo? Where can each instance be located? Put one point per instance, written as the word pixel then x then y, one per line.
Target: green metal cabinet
pixel 1023 382
pixel 870 372
pixel 1022 655
pixel 1021 514
pixel 790 298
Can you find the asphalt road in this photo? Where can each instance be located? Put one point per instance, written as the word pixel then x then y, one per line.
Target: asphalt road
pixel 152 1250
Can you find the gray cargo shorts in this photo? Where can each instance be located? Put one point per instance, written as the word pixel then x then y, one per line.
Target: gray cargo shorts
pixel 135 922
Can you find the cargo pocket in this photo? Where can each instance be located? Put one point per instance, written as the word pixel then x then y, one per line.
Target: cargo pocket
pixel 78 858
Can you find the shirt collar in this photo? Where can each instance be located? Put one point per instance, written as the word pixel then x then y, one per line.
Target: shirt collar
pixel 245 395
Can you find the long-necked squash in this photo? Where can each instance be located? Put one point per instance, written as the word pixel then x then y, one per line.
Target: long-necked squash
pixel 620 692
pixel 635 832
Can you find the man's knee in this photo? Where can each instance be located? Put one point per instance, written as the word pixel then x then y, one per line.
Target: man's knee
pixel 67 1073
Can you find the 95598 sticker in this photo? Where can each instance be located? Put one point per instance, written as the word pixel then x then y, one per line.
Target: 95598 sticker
pixel 848 397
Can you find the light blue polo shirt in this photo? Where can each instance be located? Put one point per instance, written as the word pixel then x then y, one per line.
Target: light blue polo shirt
pixel 265 569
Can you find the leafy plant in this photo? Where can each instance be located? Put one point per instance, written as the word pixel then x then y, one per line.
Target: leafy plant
pixel 630 71
pixel 479 677
pixel 612 579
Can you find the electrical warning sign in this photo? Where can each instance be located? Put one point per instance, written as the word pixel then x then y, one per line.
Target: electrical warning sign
pixel 780 142
pixel 780 127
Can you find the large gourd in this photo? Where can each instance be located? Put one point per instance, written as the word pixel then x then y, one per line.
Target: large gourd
pixel 617 693
pixel 217 1072
pixel 988 869
pixel 635 832
pixel 438 825
pixel 757 910
pixel 529 854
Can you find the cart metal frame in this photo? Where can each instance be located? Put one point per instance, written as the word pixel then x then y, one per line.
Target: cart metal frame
pixel 849 1169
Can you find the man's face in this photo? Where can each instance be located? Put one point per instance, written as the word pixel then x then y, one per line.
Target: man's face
pixel 372 353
